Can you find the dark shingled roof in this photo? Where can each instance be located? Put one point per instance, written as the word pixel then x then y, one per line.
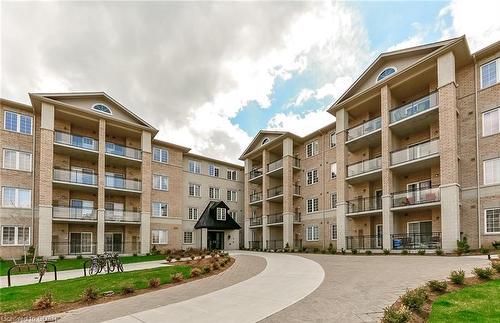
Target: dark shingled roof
pixel 209 220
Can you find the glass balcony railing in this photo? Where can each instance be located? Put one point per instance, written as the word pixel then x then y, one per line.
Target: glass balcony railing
pixel 76 141
pixel 364 204
pixel 416 197
pixel 122 216
pixel 275 191
pixel 75 176
pixel 364 166
pixel 256 221
pixel 123 151
pixel 364 129
pixel 122 183
pixel 255 197
pixel 74 213
pixel 275 218
pixel 256 172
pixel 415 152
pixel 275 165
pixel 410 109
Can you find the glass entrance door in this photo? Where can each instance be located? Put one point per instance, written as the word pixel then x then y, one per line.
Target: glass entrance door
pixel 378 231
pixel 215 240
pixel 113 242
pixel 80 242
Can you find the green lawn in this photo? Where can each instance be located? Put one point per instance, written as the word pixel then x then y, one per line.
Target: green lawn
pixel 22 297
pixel 480 303
pixel 67 264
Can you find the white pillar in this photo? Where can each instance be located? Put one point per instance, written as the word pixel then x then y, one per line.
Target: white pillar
pixel 387 221
pixel 145 232
pixel 450 212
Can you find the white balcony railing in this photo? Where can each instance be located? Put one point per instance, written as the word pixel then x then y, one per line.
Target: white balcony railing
pixel 122 216
pixel 74 213
pixel 415 152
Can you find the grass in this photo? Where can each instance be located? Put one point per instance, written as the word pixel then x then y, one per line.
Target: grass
pixel 68 264
pixel 22 297
pixel 478 303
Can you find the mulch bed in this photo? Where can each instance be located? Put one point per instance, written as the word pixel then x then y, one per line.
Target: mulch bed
pixel 49 315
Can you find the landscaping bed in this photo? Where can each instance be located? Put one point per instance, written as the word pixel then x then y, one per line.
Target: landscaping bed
pixel 458 299
pixel 58 296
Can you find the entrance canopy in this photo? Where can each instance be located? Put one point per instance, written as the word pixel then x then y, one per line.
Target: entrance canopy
pixel 208 219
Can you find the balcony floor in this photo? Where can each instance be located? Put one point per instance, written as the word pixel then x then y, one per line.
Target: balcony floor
pixel 372 139
pixel 416 164
pixel 419 121
pixel 422 206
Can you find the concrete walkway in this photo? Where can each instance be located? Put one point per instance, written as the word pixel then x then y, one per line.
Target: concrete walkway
pixel 27 279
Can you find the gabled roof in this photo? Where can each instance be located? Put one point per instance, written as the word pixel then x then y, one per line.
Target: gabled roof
pixel 208 219
pixel 260 136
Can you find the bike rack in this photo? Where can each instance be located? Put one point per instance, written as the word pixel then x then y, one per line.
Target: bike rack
pixel 28 267
pixel 86 262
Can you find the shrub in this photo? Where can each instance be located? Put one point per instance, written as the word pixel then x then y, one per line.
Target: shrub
pixel 154 282
pixel 192 257
pixel 333 251
pixel 439 252
pixel 43 302
pixel 483 273
pixel 354 251
pixel 287 247
pixel 79 257
pixel 61 257
pixel 316 250
pixel 215 266
pixel 421 252
pixel 89 294
pixel 404 252
pixel 415 298
pixel 206 269
pixel 396 315
pixel 387 251
pixel 169 258
pixel 134 254
pixel 368 252
pixel 330 247
pixel 148 254
pixel 457 277
pixel 128 289
pixel 202 256
pixel 462 246
pixel 484 250
pixel 177 258
pixel 437 286
pixel 195 272
pixel 496 244
pixel 496 266
pixel 154 250
pixel 342 251
pixel 177 277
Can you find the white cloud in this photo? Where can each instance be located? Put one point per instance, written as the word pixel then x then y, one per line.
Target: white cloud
pixel 300 125
pixel 478 20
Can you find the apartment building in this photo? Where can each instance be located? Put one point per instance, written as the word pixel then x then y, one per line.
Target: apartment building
pixel 411 161
pixel 82 174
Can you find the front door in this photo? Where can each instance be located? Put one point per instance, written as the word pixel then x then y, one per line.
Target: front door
pixel 113 242
pixel 215 240
pixel 378 230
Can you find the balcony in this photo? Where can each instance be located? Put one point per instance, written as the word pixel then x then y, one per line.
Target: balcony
pixel 418 198
pixel 121 184
pixel 296 217
pixel 404 241
pixel 255 245
pixel 416 157
pixel 74 248
pixel 256 198
pixel 74 214
pixel 420 112
pixel 118 216
pixel 274 244
pixel 255 175
pixel 276 218
pixel 275 166
pixel 275 193
pixel 296 190
pixel 74 179
pixel 122 155
pixel 255 222
pixel 364 242
pixel 368 131
pixel 365 170
pixel 365 206
pixel 75 146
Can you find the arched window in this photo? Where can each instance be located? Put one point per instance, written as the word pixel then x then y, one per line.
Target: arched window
pixel 101 108
pixel 386 72
pixel 264 141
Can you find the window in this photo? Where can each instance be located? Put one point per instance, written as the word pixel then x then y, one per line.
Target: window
pixel 221 214
pixel 160 209
pixel 386 72
pixel 159 236
pixel 213 170
pixel 492 220
pixel 232 196
pixel 312 205
pixel 17 122
pixel 490 73
pixel 334 232
pixel 264 141
pixel 16 197
pixel 492 171
pixel 333 170
pixel 312 233
pixel 99 107
pixel 194 190
pixel 188 237
pixel 333 139
pixel 234 215
pixel 15 235
pixel 214 193
pixel 491 122
pixel 231 174
pixel 333 200
pixel 160 155
pixel 194 167
pixel 312 177
pixel 18 160
pixel 193 213
pixel 312 149
pixel 160 182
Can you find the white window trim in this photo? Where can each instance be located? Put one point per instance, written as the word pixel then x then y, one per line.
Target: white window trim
pixel 18 123
pixel 159 242
pixel 482 120
pixel 484 171
pixel 312 226
pixel 110 113
pixel 160 149
pixel 194 190
pixel 17 160
pixel 332 207
pixel 164 205
pixel 193 218
pixel 230 193
pixel 307 177
pixel 313 152
pixel 307 208
pixel 385 69
pixel 16 236
pixel 336 171
pixel 161 180
pixel 485 223
pixel 410 222
pixel 235 174
pixel 333 145
pixel 336 232
pixel 184 237
pixel 16 202
pixel 216 169
pixel 196 166
pixel 214 190
pixel 497 61
pixel 222 216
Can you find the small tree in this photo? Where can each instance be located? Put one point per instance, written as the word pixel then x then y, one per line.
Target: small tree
pixel 462 246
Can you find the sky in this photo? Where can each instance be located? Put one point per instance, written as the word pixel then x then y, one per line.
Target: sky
pixel 210 75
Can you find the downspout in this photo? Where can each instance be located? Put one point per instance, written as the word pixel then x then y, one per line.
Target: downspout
pixel 323 162
pixel 33 184
pixel 478 164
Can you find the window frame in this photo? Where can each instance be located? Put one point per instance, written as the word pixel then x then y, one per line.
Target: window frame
pixel 196 166
pixel 333 175
pixel 163 207
pixel 16 198
pixel 486 221
pixel 16 235
pixel 18 122
pixel 497 110
pixel 109 112
pixel 333 143
pixel 229 175
pixel 222 215
pixel 184 237
pixel 378 79
pixel 213 170
pixel 159 240
pixel 161 188
pixel 312 205
pixel 229 195
pixel 195 190
pixel 314 179
pixel 497 159
pixel 496 61
pixel 314 148
pixel 333 207
pixel 17 152
pixel 333 231
pixel 314 232
pixel 191 213
pixel 161 150
pixel 216 191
